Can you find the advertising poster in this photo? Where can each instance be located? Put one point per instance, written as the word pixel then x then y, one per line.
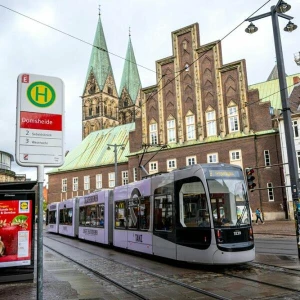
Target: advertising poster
pixel 15 232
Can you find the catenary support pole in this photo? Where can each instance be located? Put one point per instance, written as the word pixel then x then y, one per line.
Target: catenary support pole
pixel 287 120
pixel 40 173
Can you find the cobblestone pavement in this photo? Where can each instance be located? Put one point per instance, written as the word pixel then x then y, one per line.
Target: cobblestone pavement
pixel 286 228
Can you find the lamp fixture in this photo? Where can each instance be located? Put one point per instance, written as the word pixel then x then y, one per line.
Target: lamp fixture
pixel 290 27
pixel 297 58
pixel 251 28
pixel 283 7
pixel 108 148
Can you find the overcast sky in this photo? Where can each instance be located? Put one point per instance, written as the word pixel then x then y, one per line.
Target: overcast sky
pixel 29 47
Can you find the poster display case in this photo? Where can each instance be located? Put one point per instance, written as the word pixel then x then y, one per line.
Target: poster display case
pixel 17 229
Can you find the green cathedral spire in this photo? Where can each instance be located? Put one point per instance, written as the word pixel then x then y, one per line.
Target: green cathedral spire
pixel 99 63
pixel 130 77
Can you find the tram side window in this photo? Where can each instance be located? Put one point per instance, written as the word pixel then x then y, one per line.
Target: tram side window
pixel 66 216
pixel 52 217
pixel 163 213
pixel 92 215
pixel 144 214
pixel 82 216
pixel 132 213
pixel 193 205
pixel 120 214
pixel 100 215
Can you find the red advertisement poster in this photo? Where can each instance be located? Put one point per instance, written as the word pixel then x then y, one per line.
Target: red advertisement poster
pixel 15 232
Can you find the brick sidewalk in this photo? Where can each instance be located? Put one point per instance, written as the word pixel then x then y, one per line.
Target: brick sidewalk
pixel 284 227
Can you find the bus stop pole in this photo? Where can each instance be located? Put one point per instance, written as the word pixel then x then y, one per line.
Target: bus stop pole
pixel 40 173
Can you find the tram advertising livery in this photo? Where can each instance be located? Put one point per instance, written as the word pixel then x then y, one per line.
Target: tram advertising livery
pixel 197 214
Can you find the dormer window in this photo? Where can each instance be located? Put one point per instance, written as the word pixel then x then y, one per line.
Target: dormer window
pixel 109 90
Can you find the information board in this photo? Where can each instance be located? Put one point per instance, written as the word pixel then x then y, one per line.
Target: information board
pixel 15 232
pixel 40 121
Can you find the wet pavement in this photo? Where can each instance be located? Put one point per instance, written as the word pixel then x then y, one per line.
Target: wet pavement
pixel 65 280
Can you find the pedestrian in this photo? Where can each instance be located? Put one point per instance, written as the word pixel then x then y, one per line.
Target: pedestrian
pixel 258 216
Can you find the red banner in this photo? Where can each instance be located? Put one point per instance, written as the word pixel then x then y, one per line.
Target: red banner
pixel 33 120
pixel 15 232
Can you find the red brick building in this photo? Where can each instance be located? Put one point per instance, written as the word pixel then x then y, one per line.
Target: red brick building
pixel 199 111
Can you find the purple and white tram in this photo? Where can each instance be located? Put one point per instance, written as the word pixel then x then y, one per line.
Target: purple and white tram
pixel 68 217
pixel 198 214
pixel 94 217
pixel 52 217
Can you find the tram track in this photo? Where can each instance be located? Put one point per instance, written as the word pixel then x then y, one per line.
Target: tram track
pixel 251 266
pixel 270 267
pixel 138 269
pixel 267 269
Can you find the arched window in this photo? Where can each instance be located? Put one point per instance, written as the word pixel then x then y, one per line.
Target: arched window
pixel 233 118
pixel 153 133
pixel 171 130
pixel 211 123
pixel 190 127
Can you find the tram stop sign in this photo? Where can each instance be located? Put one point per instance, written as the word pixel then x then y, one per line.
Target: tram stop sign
pixel 40 121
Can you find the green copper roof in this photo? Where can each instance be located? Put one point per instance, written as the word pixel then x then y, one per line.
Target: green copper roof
pixel 130 77
pixel 269 90
pixel 92 151
pixel 99 60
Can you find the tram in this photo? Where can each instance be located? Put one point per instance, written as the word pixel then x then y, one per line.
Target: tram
pixel 198 214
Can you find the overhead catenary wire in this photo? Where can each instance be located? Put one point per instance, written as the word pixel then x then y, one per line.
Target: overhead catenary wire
pixel 151 95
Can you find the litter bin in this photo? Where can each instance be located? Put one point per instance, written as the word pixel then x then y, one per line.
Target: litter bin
pixel 17 231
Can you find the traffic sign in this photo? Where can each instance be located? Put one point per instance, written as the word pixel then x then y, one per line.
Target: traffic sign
pixel 40 121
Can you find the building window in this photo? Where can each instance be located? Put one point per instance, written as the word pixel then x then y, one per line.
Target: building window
pixel 212 158
pixel 111 179
pixel 211 123
pixel 270 191
pixel 86 182
pixel 99 181
pixel 295 129
pixel 191 160
pixel 109 90
pixel 135 178
pixel 235 155
pixel 153 134
pixel 267 158
pixel 171 129
pixel 75 184
pixel 298 158
pixel 233 120
pixel 235 158
pixel 190 127
pixel 153 167
pixel 64 185
pixel 124 177
pixel 171 164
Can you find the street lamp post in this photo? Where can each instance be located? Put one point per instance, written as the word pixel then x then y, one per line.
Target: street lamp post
pixel 116 159
pixel 278 11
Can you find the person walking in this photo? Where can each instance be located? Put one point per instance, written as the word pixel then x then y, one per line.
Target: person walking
pixel 258 216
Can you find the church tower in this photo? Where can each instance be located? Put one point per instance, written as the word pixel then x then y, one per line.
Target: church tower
pixel 129 89
pixel 100 96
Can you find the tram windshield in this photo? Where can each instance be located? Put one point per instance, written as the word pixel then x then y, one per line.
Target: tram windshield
pixel 229 202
